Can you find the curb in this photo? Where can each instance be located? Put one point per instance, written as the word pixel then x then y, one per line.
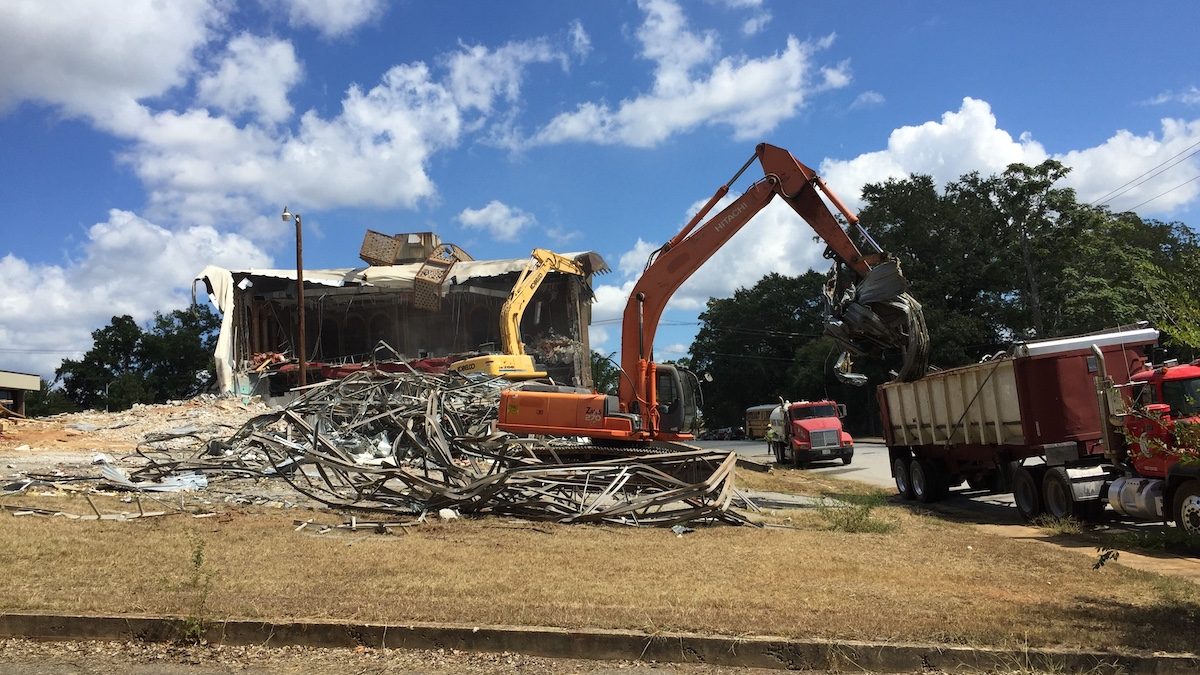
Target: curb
pixel 597 644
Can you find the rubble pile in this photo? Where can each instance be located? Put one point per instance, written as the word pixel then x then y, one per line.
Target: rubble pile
pixel 416 443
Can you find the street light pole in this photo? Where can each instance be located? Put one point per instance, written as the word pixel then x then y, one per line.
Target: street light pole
pixel 300 346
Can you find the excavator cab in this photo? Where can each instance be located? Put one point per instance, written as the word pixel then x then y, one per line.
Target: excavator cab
pixel 679 398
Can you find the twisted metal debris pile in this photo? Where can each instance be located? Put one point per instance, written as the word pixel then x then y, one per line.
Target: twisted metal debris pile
pixel 410 443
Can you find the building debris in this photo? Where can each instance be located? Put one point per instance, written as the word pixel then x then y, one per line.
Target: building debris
pixel 417 443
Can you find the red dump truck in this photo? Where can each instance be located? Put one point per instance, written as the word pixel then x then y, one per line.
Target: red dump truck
pixel 808 431
pixel 1067 425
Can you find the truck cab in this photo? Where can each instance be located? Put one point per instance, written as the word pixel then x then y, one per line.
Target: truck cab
pixel 805 431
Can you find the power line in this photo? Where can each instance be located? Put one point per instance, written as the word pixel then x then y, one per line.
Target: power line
pixel 42 351
pixel 1109 196
pixel 1164 193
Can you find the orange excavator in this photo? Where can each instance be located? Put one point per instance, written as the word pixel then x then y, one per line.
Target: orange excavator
pixel 869 310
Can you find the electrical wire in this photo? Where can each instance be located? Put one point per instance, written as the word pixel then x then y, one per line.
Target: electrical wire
pixel 1165 193
pixel 1109 196
pixel 14 350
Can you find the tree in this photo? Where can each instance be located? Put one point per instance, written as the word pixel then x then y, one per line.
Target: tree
pixel 951 247
pixel 113 354
pixel 176 353
pixel 1031 206
pixel 48 401
pixel 605 374
pixel 747 343
pixel 127 365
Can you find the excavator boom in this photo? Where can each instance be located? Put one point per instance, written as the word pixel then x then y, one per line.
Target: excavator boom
pixel 900 325
pixel 513 363
pixel 869 310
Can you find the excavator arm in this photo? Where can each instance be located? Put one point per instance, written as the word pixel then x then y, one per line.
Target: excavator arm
pixel 891 320
pixel 541 263
pixel 869 309
pixel 513 363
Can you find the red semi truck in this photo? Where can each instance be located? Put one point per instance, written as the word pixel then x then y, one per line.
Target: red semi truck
pixel 810 430
pixel 1067 425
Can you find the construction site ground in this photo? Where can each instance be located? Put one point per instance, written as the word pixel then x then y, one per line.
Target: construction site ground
pixel 842 562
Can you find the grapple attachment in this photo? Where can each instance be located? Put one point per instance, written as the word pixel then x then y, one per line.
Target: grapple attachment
pixel 873 313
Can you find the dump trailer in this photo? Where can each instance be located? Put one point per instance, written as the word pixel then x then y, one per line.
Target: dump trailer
pixel 1045 420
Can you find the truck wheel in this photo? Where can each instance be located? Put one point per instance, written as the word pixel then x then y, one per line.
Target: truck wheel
pixel 1057 497
pixel 847 459
pixel 1026 493
pixel 1187 508
pixel 928 484
pixel 900 473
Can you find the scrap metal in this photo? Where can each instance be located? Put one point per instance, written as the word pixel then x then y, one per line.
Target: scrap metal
pixel 416 442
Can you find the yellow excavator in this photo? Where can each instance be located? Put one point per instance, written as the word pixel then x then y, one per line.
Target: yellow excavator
pixel 513 363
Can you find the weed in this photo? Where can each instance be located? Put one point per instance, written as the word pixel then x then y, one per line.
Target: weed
pixel 1057 525
pixel 1168 539
pixel 855 515
pixel 199 586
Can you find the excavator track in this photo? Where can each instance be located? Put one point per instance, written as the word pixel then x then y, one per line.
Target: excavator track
pixel 617 450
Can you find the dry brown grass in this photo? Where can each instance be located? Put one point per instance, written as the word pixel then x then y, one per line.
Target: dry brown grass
pixel 801 482
pixel 929 580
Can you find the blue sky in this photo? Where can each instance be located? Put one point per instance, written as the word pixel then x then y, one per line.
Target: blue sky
pixel 140 141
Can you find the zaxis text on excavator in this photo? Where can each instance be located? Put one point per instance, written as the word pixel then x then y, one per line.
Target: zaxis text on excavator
pixel 868 310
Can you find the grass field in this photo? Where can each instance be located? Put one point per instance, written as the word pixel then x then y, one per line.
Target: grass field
pixel 869 570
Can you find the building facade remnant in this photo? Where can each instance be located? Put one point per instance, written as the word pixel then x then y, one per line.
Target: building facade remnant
pixel 350 311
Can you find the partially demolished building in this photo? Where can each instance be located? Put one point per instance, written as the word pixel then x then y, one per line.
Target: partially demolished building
pixel 429 302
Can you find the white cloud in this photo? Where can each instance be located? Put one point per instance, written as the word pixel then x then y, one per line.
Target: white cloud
pixel 970 139
pixel 253 76
pixel 1187 96
pixel 479 75
pixel 672 351
pixel 964 140
pixel 867 99
pixel 750 96
pixel 1096 172
pixel 92 58
pixel 374 153
pixel 755 24
pixel 581 43
pixel 108 66
pixel 561 235
pixel 128 266
pixel 330 18
pixel 503 222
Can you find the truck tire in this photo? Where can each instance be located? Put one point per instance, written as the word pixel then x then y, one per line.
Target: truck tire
pixel 1027 493
pixel 928 483
pixel 900 474
pixel 1057 497
pixel 846 460
pixel 1186 509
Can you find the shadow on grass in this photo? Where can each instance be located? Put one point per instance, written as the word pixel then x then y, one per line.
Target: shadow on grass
pixel 1169 623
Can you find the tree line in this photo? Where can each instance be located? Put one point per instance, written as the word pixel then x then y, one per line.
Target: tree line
pixel 992 260
pixel 170 359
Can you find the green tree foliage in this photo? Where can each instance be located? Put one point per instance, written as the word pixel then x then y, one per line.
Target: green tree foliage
pixel 114 350
pixel 605 374
pixel 176 352
pixel 126 365
pixel 48 400
pixel 747 343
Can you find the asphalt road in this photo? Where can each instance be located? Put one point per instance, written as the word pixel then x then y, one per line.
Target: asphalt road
pixel 871 466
